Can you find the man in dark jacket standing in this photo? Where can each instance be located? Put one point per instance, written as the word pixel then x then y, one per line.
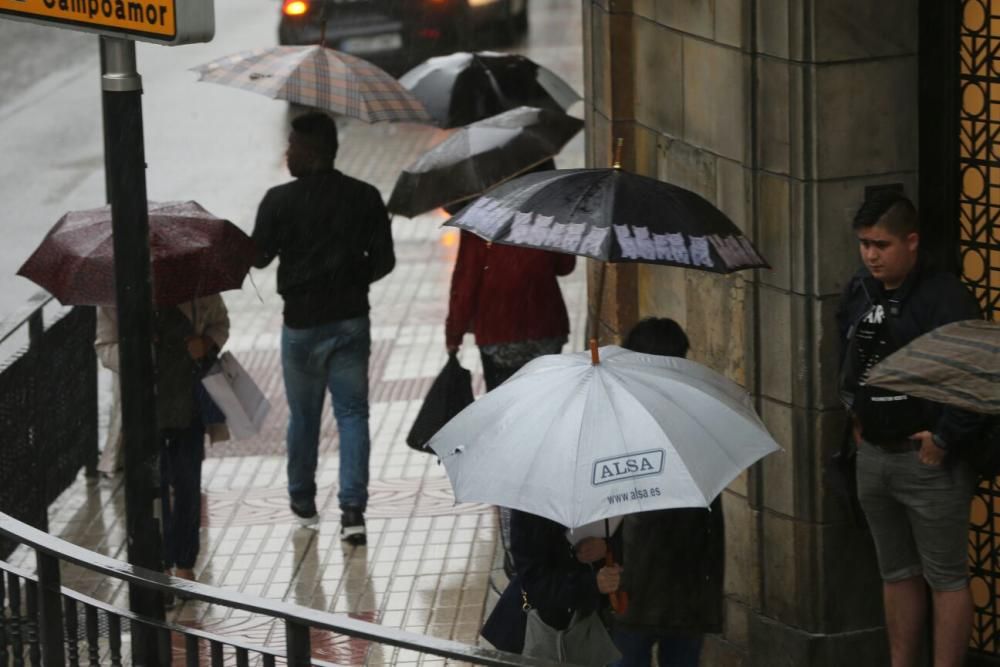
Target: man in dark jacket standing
pixel 332 237
pixel 915 496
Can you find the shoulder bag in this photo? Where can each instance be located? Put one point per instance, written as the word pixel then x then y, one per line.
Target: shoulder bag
pixel 585 641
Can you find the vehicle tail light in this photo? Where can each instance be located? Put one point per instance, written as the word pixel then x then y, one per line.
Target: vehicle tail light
pixel 429 33
pixel 295 7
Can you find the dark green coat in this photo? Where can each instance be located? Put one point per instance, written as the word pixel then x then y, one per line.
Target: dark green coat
pixel 673 564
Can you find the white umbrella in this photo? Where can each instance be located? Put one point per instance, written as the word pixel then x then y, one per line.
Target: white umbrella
pixel 577 442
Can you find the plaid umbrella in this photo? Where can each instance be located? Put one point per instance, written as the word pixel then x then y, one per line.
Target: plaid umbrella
pixel 957 364
pixel 318 77
pixel 192 254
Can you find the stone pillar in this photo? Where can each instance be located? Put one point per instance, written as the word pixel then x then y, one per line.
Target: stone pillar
pixel 781 112
pixel 609 83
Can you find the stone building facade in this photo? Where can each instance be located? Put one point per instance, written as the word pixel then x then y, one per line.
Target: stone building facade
pixel 782 113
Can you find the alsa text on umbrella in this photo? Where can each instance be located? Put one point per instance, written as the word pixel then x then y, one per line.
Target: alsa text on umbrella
pixel 630 466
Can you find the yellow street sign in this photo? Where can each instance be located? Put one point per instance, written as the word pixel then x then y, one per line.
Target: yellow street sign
pixel 160 21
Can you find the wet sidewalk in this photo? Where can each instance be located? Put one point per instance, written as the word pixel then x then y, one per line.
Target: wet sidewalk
pixel 428 564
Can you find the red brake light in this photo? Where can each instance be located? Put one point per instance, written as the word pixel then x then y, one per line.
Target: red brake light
pixel 295 7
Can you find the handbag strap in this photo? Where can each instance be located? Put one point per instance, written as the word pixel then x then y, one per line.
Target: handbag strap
pixel 525 605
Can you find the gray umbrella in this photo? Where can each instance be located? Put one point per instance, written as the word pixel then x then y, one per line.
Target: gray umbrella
pixel 479 156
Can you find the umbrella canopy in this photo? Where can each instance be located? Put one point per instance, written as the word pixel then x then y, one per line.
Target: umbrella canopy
pixel 462 88
pixel 610 215
pixel 479 156
pixel 192 254
pixel 318 77
pixel 957 364
pixel 577 442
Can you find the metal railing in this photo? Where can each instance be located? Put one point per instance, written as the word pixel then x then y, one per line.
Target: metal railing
pixel 40 620
pixel 48 407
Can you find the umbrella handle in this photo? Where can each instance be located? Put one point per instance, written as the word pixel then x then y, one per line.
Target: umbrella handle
pixel 619 599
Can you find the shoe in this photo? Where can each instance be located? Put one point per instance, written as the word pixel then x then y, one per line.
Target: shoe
pixel 305 513
pixel 352 526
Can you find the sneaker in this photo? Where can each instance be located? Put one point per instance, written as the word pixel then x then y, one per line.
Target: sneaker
pixel 352 526
pixel 305 513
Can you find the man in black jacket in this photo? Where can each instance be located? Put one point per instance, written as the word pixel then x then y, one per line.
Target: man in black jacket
pixel 915 496
pixel 332 237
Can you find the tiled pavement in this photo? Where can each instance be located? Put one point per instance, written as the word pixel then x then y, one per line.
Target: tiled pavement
pixel 428 564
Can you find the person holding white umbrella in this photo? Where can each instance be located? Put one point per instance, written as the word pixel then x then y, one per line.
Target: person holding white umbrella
pixel 673 559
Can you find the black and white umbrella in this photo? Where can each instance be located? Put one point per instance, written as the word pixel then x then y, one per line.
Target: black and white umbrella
pixel 479 156
pixel 610 215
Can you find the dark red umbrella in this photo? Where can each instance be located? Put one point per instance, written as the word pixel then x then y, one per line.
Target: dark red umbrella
pixel 192 253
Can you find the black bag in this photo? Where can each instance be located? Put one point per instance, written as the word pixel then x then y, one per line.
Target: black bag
pixel 840 474
pixel 982 451
pixel 450 393
pixel 506 625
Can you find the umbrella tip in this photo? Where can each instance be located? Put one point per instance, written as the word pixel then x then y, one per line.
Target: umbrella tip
pixel 594 356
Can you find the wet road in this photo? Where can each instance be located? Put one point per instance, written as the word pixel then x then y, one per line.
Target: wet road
pixel 219 146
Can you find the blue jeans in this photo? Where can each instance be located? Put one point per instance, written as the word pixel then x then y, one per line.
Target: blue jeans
pixel 637 650
pixel 332 356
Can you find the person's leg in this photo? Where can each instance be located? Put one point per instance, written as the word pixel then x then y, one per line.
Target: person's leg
pixel 939 501
pixel 189 446
pixel 905 618
pixel 880 477
pixel 501 373
pixel 678 651
pixel 636 649
pixel 304 388
pixel 490 375
pixel 953 613
pixel 347 378
pixel 167 468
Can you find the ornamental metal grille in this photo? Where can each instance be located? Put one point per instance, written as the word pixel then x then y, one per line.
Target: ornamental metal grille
pixel 979 246
pixel 980 151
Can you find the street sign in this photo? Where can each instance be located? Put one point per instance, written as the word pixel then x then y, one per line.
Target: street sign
pixel 169 22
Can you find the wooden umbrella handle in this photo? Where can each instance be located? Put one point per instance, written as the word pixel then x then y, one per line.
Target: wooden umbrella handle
pixel 619 599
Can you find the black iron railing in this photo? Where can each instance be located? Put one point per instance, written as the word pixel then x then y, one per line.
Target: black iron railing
pixel 44 623
pixel 48 407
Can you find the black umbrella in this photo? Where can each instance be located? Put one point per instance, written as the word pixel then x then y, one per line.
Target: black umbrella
pixel 610 215
pixel 462 88
pixel 613 216
pixel 479 156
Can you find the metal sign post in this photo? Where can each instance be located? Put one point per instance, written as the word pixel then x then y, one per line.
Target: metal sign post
pixel 125 164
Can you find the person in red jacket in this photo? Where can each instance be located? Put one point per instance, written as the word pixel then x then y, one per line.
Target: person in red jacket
pixel 508 296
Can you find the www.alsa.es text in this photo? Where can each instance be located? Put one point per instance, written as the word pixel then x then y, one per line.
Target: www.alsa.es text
pixel 634 494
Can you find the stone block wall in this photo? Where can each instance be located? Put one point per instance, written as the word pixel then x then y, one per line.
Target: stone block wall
pixel 780 112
